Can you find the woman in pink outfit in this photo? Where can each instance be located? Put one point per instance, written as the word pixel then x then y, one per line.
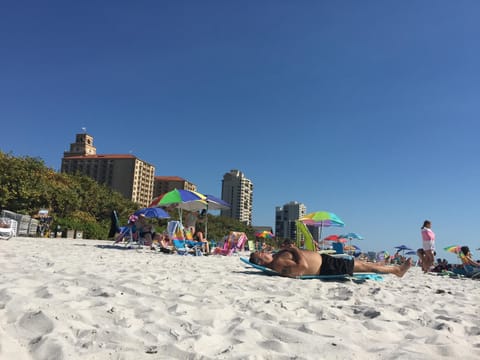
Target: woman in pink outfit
pixel 428 241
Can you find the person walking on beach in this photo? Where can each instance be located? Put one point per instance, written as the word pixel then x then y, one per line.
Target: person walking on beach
pixel 428 242
pixel 292 262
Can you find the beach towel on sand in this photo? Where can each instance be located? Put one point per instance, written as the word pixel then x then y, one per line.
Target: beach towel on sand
pixel 358 276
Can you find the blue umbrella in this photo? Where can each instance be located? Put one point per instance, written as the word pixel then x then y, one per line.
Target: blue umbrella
pixel 155 212
pixel 402 248
pixel 351 236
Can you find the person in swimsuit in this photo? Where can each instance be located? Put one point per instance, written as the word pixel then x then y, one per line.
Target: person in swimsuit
pixel 293 262
pixel 145 229
pixel 428 245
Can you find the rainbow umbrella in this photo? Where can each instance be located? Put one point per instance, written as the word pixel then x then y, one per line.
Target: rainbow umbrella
pixel 453 249
pixel 182 199
pixel 264 235
pixel 180 196
pixel 215 203
pixel 322 219
pixel 156 200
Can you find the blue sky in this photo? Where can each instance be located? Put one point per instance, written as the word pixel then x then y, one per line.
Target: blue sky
pixel 368 109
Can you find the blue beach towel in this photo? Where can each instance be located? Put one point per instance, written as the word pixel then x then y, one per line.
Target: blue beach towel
pixel 358 276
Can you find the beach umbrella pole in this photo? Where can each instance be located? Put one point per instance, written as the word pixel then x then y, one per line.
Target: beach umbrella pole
pixel 206 224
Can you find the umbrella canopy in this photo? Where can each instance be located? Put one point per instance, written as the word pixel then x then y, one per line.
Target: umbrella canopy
pixel 402 248
pixel 335 238
pixel 453 249
pixel 265 235
pixel 156 200
pixel 322 219
pixel 179 196
pixel 411 253
pixel 214 203
pixel 152 212
pixel 351 236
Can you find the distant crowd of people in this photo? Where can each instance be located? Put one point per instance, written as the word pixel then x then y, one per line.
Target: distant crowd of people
pixel 141 228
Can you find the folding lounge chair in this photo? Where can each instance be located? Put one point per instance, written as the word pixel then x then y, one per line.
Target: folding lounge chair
pixel 467 269
pixel 128 234
pixel 234 242
pixel 8 228
pixel 183 246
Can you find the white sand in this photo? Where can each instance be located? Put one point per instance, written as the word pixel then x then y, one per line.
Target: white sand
pixel 71 299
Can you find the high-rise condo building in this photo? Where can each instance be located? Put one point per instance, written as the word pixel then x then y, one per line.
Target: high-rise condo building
pixel 237 190
pixel 285 217
pixel 126 174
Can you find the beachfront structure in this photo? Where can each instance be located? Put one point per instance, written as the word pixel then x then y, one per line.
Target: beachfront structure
pixel 164 184
pixel 126 174
pixel 285 218
pixel 237 190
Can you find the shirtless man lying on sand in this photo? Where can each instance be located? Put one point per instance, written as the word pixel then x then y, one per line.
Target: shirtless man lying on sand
pixel 293 262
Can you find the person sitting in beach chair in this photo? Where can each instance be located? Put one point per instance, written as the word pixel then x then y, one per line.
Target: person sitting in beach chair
pixel 294 262
pixel 233 243
pixel 471 268
pixel 200 238
pixel 466 257
pixel 145 230
pixel 182 240
pixel 163 243
pixel 128 232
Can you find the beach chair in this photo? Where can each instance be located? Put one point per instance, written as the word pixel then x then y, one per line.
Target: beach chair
pixel 182 245
pixel 233 243
pixel 467 268
pixel 128 234
pixel 224 249
pixel 8 228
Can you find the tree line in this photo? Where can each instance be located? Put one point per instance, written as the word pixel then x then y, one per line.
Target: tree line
pixel 77 201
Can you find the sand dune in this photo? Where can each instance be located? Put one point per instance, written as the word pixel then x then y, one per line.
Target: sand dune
pixel 83 299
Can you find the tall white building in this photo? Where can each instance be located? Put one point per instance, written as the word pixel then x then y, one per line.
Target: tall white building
pixel 237 190
pixel 285 217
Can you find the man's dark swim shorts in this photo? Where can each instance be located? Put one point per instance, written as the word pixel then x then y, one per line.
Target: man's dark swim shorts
pixel 336 265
